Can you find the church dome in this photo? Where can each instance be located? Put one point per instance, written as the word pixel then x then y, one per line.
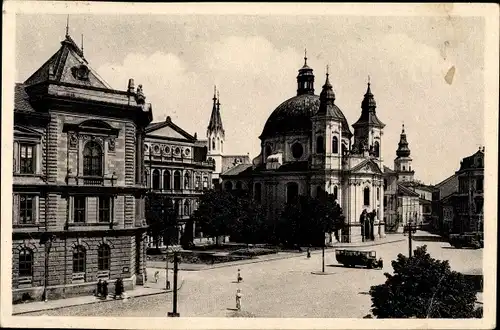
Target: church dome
pixel 294 116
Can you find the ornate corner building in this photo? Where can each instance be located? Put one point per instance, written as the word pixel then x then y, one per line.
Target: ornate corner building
pixel 78 184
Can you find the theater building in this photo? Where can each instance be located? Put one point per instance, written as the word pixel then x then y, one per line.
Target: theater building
pixel 78 188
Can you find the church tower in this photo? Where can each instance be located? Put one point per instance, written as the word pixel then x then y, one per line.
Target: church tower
pixel 368 130
pixel 215 137
pixel 402 163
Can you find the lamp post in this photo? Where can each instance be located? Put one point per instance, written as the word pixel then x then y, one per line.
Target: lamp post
pixel 174 313
pixel 47 241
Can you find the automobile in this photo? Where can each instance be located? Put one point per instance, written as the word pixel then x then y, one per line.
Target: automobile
pixel 473 240
pixel 353 258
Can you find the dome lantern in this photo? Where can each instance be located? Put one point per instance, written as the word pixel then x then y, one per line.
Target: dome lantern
pixel 305 79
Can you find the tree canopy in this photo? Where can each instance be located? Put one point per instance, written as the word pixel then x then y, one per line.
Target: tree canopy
pixel 423 287
pixel 307 221
pixel 161 218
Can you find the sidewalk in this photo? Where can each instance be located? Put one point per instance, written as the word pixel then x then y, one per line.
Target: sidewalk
pixel 393 238
pixel 139 291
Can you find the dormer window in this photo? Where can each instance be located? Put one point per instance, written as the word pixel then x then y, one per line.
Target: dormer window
pixel 80 72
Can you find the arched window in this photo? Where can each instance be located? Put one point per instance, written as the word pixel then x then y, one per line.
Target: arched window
pixel 213 144
pixel 177 180
pixel 366 196
pixel 376 149
pixel 187 181
pixel 177 207
pixel 292 192
pixel 209 144
pixel 103 257
pixel 335 192
pixel 166 180
pixel 79 259
pixel 25 262
pixel 228 185
pixel 239 185
pixel 186 208
pixel 156 179
pixel 335 145
pixel 320 145
pixel 92 159
pixel 404 168
pixel 258 192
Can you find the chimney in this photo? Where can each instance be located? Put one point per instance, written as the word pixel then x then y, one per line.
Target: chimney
pixel 131 86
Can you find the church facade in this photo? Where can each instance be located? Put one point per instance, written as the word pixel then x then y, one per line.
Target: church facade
pixel 308 148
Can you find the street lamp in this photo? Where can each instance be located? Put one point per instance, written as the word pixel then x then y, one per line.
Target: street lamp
pixel 174 313
pixel 46 240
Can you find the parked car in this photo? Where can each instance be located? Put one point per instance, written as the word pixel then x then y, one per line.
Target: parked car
pixel 473 239
pixel 352 258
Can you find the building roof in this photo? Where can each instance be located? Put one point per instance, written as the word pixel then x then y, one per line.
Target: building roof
pixel 156 129
pixel 238 170
pixel 215 123
pixel 438 185
pixel 406 191
pixel 388 170
pixel 403 150
pixel 475 161
pixel 21 99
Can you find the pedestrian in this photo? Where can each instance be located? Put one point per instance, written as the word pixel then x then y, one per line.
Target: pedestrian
pixel 99 288
pixel 157 276
pixel 308 253
pixel 119 288
pixel 239 278
pixel 372 216
pixel 362 221
pixel 238 299
pixel 105 289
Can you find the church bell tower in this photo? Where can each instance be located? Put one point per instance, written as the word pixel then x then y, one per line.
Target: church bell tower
pixel 215 137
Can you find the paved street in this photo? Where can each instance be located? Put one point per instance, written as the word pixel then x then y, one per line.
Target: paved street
pixel 278 288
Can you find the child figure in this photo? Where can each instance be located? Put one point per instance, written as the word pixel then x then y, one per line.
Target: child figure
pixel 308 253
pixel 239 279
pixel 157 276
pixel 238 299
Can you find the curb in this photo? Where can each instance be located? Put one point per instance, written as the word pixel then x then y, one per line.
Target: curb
pixel 96 301
pixel 299 254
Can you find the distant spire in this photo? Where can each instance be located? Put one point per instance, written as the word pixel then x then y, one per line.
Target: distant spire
pixel 368 79
pixel 403 131
pixel 215 93
pixel 67 26
pixel 305 56
pixel 218 101
pixel 403 150
pixel 327 71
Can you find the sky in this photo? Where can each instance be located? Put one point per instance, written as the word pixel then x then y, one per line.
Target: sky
pixel 425 72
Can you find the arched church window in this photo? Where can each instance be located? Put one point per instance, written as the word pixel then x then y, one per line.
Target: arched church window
pixel 292 192
pixel 156 179
pixel 187 181
pixel 404 168
pixel 376 149
pixel 297 150
pixel 335 145
pixel 320 145
pixel 186 207
pixel 366 196
pixel 209 144
pixel 213 144
pixel 228 185
pixel 166 180
pixel 177 180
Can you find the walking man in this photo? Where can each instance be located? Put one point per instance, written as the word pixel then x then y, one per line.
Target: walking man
pixel 362 221
pixel 238 299
pixel 239 278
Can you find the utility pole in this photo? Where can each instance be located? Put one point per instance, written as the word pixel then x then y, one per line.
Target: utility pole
pixel 174 309
pixel 410 229
pixel 323 257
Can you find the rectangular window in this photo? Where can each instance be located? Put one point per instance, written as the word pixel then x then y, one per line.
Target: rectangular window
pixel 26 158
pixel 479 184
pixel 26 209
pixel 104 209
pixel 79 209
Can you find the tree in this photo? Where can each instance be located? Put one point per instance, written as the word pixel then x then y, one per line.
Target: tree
pixel 161 218
pixel 216 213
pixel 250 225
pixel 307 221
pixel 423 287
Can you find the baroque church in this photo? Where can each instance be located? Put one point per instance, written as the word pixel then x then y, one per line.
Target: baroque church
pixel 308 148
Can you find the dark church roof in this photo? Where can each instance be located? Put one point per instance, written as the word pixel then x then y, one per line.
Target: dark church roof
pixel 21 99
pixel 368 115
